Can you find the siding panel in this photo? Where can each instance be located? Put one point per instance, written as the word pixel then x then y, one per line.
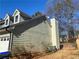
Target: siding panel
pixel 33 38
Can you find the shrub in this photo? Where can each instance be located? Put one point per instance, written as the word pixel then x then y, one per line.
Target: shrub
pixel 48 48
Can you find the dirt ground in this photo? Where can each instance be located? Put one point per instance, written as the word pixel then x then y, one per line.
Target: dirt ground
pixel 68 52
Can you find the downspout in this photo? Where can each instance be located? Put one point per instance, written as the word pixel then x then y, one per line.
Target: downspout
pixel 10 41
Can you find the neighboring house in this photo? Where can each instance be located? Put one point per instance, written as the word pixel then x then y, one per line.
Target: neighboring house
pixel 31 33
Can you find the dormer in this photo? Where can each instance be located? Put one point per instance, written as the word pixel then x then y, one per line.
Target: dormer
pixel 19 16
pixel 7 20
pixel 16 16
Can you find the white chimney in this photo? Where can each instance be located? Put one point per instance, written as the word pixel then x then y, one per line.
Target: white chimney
pixel 55 33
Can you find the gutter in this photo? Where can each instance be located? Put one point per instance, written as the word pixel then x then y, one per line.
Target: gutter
pixel 11 40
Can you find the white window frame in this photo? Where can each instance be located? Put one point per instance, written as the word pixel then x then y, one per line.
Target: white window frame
pixel 6 22
pixel 17 19
pixel 16 13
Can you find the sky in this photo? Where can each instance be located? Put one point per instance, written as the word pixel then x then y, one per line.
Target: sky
pixel 27 6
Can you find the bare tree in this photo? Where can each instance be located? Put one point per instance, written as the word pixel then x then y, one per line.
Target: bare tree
pixel 63 11
pixel 37 14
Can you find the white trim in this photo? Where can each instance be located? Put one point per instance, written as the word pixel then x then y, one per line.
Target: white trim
pixel 15 12
pixel 17 19
pixel 4 45
pixel 4 35
pixel 7 18
pixel 55 33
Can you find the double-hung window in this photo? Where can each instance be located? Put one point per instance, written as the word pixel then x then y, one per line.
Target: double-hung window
pixel 16 18
pixel 6 21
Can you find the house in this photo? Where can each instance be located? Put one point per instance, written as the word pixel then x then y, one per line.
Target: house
pixel 31 33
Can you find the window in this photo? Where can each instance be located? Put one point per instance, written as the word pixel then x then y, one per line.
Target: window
pixel 16 18
pixel 1 39
pixel 4 39
pixel 8 39
pixel 6 21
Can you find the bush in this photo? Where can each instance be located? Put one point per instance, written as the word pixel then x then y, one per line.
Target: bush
pixel 21 53
pixel 51 49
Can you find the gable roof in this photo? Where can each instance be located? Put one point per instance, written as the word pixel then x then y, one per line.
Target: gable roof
pixel 35 20
pixel 24 15
pixel 11 17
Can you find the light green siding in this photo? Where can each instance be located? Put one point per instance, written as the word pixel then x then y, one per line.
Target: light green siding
pixel 33 38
